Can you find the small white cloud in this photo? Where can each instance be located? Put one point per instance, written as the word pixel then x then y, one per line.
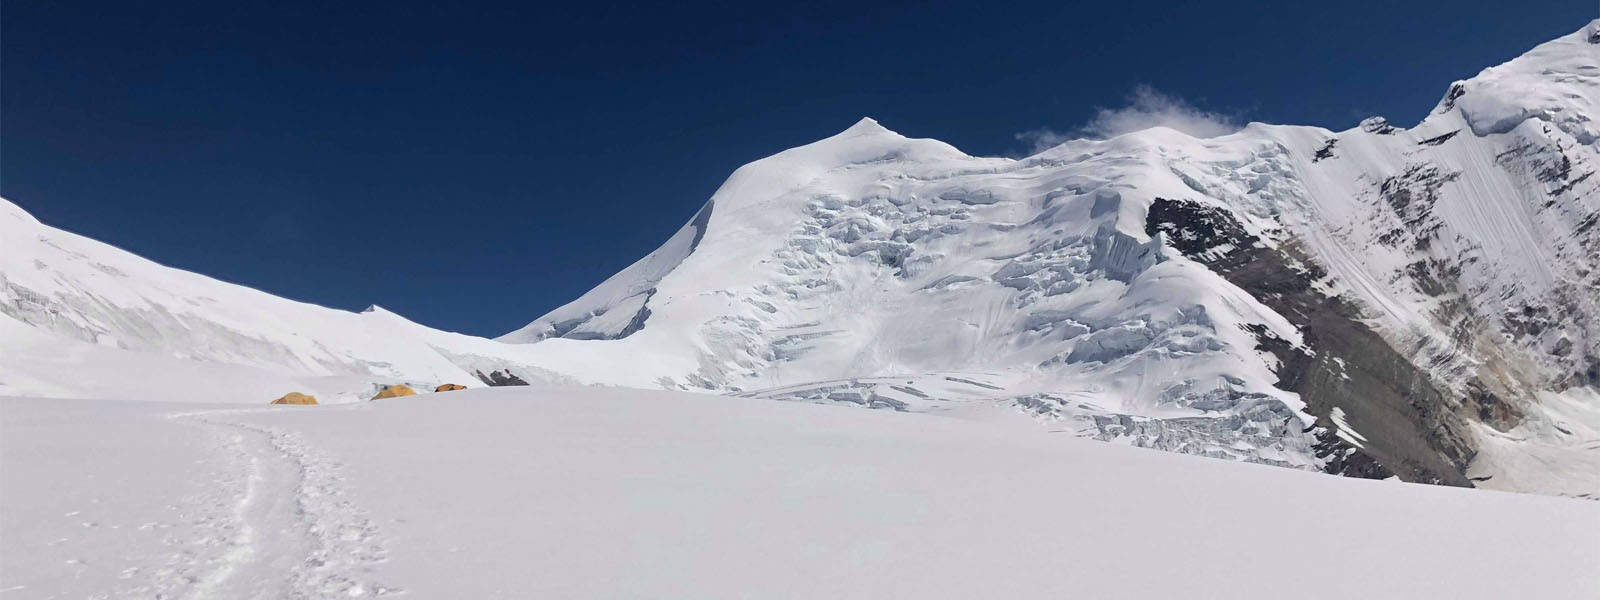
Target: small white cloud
pixel 1147 107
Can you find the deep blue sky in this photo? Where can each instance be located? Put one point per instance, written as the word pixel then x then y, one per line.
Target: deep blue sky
pixel 471 168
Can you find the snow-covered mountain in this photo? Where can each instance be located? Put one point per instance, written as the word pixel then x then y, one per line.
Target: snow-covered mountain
pixel 1419 302
pixel 1378 302
pixel 79 318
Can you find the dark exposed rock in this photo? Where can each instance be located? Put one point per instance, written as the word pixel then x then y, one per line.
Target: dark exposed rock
pixel 1434 141
pixel 1566 187
pixel 1557 170
pixel 1434 277
pixel 1412 195
pixel 1587 223
pixel 1409 424
pixel 1192 228
pixel 1346 459
pixel 1326 151
pixel 1492 410
pixel 501 378
pixel 1548 163
pixel 1528 322
pixel 973 383
pixel 1456 91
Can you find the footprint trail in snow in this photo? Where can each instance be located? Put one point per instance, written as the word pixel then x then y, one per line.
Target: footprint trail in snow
pixel 277 524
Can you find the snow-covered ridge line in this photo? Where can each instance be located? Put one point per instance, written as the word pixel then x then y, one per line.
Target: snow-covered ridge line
pixel 620 305
pixel 64 295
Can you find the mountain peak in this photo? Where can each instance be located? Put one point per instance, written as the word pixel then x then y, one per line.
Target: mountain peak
pixel 1555 82
pixel 867 126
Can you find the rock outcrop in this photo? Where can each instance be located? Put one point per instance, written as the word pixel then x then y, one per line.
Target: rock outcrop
pixel 500 378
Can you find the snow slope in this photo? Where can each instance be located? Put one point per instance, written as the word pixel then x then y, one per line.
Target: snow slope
pixel 1436 285
pixel 77 315
pixel 611 493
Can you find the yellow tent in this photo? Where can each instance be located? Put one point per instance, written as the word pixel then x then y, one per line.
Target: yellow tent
pixel 395 391
pixel 449 387
pixel 296 398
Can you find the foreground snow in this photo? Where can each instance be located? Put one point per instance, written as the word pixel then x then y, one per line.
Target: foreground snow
pixel 606 493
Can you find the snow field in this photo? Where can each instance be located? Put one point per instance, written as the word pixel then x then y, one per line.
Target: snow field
pixel 612 493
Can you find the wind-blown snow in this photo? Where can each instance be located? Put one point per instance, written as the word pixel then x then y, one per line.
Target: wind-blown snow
pixel 1146 107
